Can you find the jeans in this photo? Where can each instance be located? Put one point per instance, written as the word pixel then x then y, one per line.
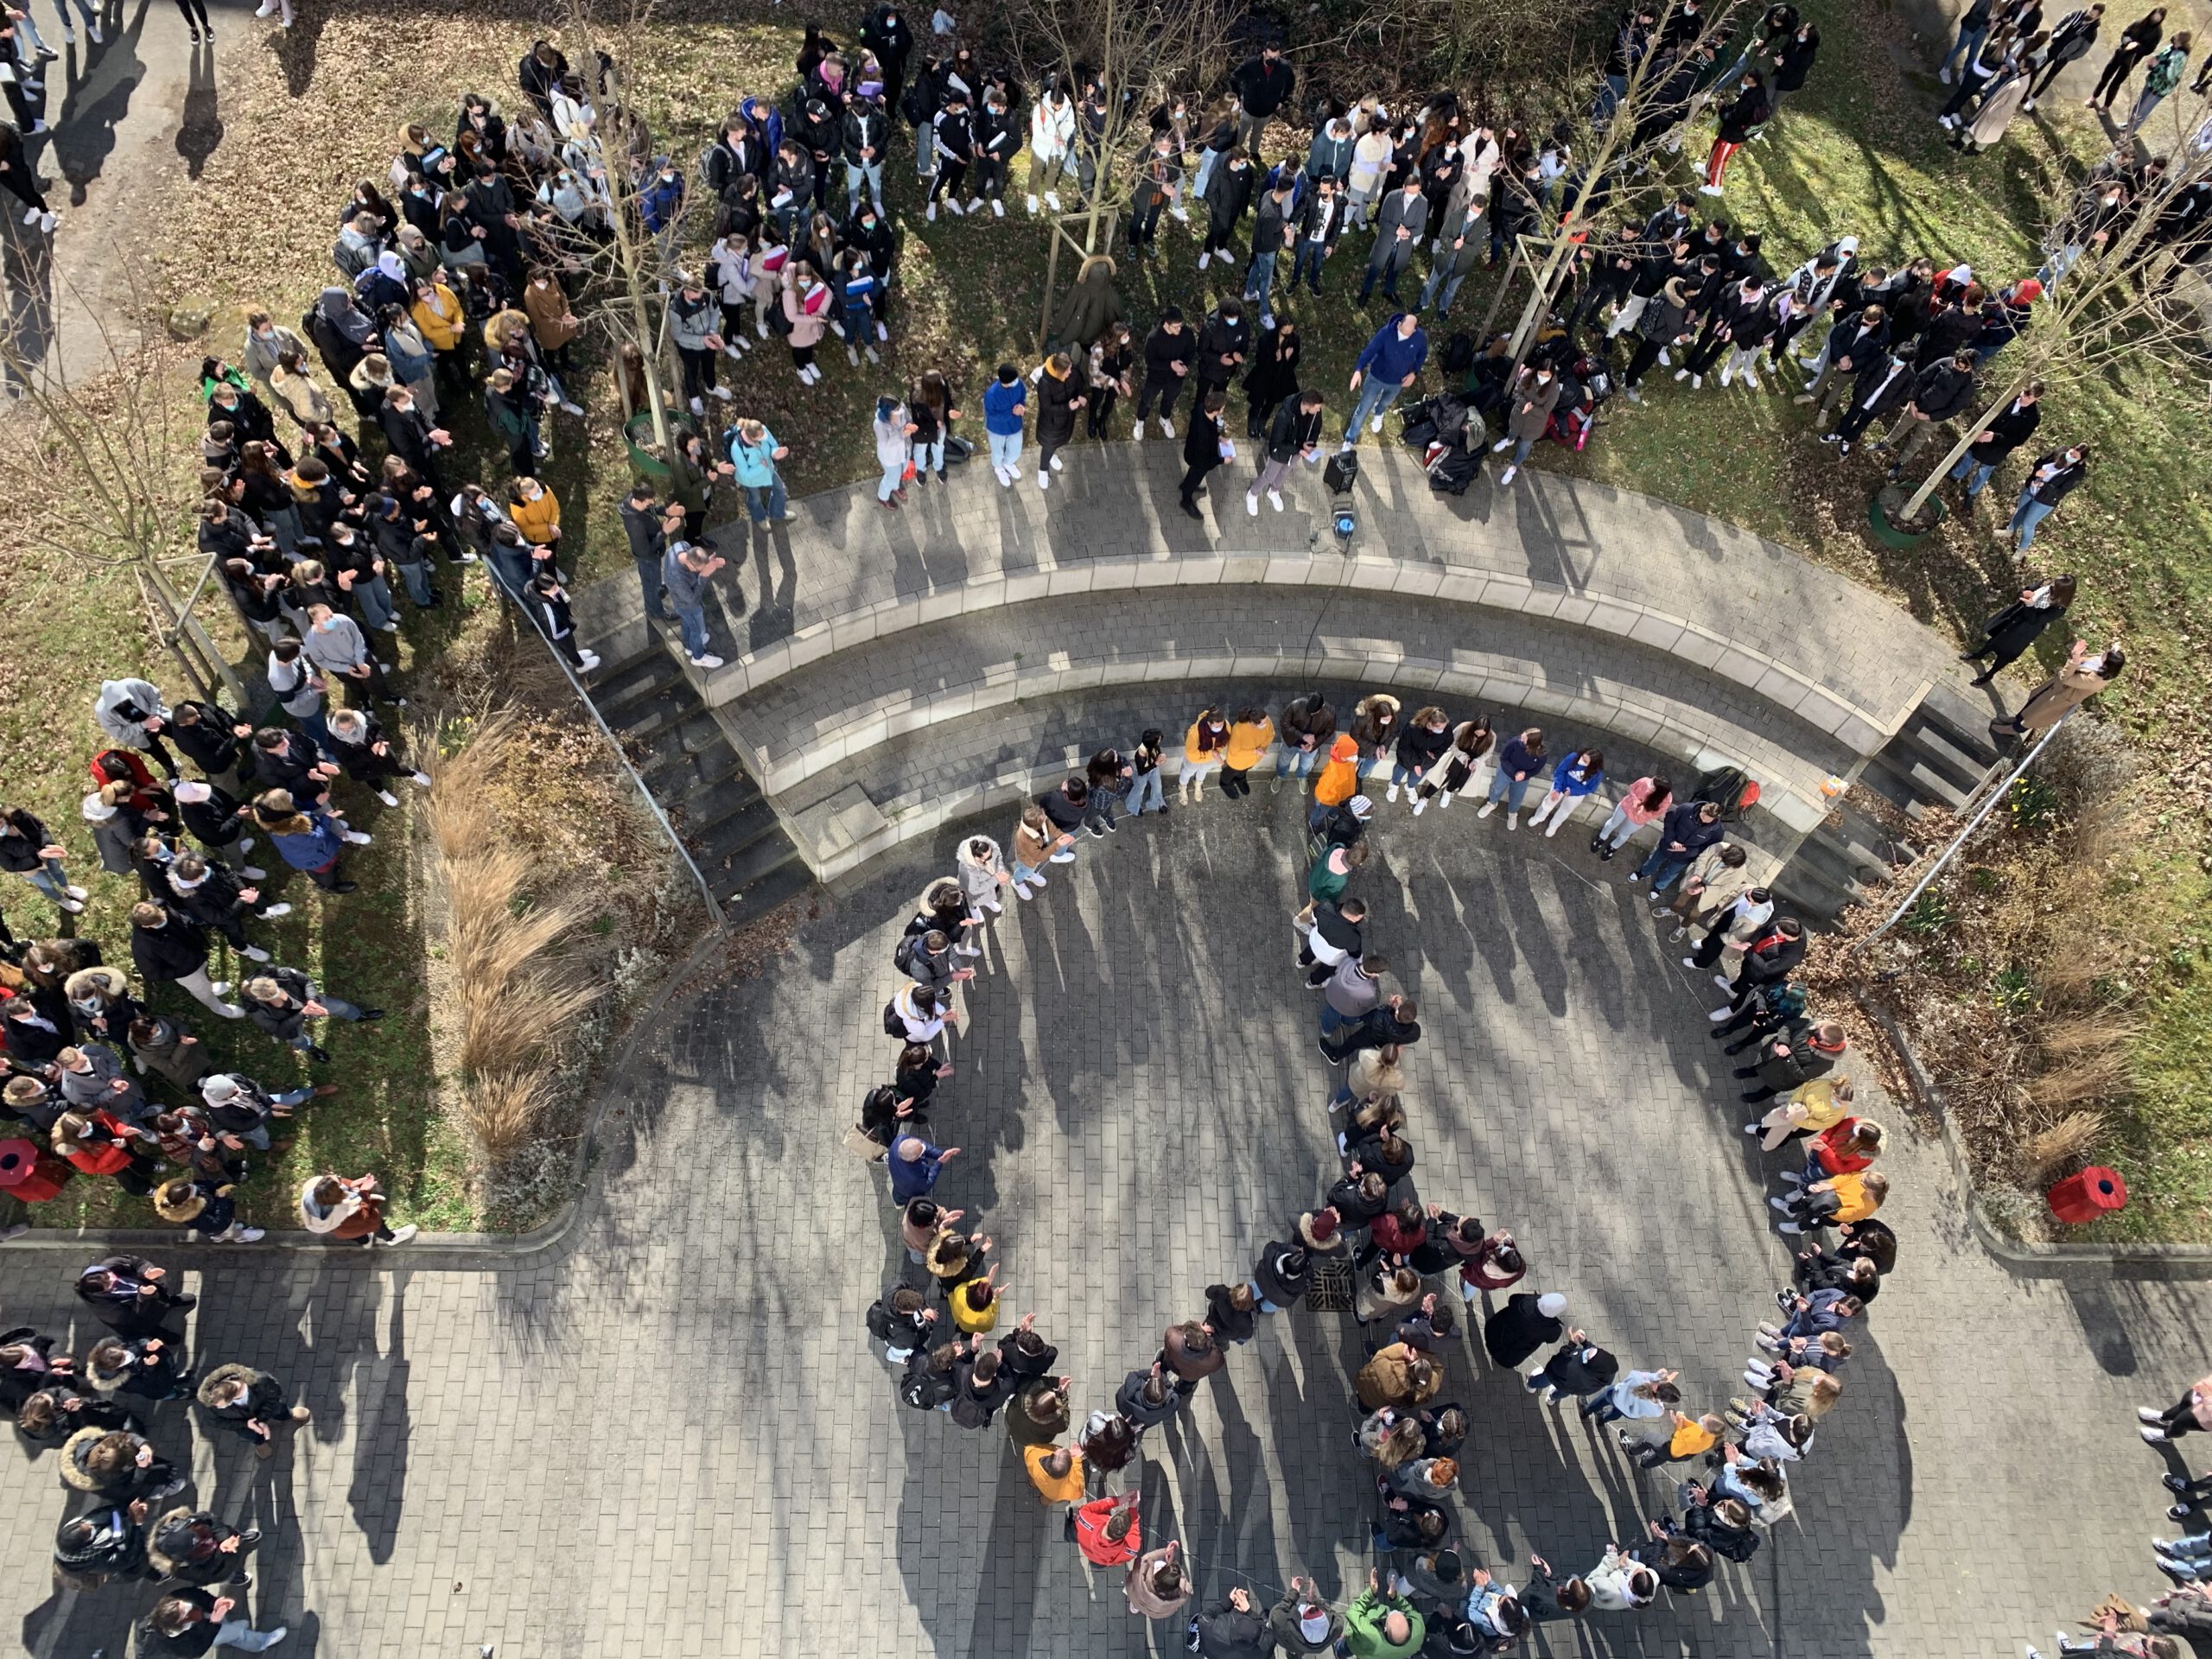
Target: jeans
pixel 1006 449
pixel 1144 783
pixel 1331 1021
pixel 929 457
pixel 1521 449
pixel 50 879
pixel 237 1633
pixel 1617 830
pixel 1402 775
pixel 764 501
pixel 1098 811
pixel 2055 268
pixel 339 1009
pixel 1260 277
pixel 1207 159
pixel 2026 515
pixel 1663 867
pixel 694 625
pixel 1290 759
pixel 1976 472
pixel 1964 48
pixel 1503 781
pixel 894 474
pixel 1195 773
pixel 854 173
pixel 1306 264
pixel 2144 105
pixel 417 578
pixel 1375 397
pixel 374 596
pixel 649 585
pixel 1444 279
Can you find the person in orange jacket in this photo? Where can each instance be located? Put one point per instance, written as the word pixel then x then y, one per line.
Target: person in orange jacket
pixel 1339 779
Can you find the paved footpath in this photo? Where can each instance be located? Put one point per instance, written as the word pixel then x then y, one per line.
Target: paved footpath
pixel 667 1436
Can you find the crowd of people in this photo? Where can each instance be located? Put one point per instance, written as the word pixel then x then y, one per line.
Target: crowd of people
pixel 1410 1272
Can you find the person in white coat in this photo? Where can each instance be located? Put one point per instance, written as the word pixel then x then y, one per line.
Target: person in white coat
pixel 1051 133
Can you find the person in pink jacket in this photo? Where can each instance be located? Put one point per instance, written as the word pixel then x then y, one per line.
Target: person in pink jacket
pixel 1646 800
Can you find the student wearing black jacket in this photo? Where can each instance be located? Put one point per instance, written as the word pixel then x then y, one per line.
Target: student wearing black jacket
pixel 995 142
pixel 1225 343
pixel 1293 435
pixel 1202 447
pixel 1228 196
pixel 1882 384
pixel 1168 351
pixel 1262 85
pixel 2008 428
pixel 1770 958
pixel 1849 347
pixel 2054 475
pixel 167 949
pixel 215 817
pixel 1752 108
pixel 206 893
pixel 1941 393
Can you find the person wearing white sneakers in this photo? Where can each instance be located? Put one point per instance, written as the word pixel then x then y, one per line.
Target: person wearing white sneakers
pixel 995 146
pixel 1294 434
pixel 2192 1412
pixel 684 571
pixel 1471 740
pixel 1519 759
pixel 169 950
pixel 26 850
pixel 1006 405
pixel 693 319
pixel 983 874
pixel 280 9
pixel 1576 776
pixel 20 178
pixel 366 754
pixel 1421 743
pixel 1060 393
pixel 1388 364
pixel 549 607
pixel 1051 135
pixel 1535 394
pixel 1169 350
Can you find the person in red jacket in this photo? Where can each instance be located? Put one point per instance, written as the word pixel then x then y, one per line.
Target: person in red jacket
pixel 1107 1531
pixel 99 1143
pixel 1845 1148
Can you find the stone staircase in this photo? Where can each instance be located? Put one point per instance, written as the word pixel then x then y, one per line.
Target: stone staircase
pixel 682 753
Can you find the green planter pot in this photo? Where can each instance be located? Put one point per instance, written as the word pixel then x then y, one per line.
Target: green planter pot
pixel 1888 532
pixel 638 432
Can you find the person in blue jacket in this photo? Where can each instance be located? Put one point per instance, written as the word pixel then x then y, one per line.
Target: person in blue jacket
pixel 1687 829
pixel 1518 761
pixel 1005 403
pixel 1578 775
pixel 1390 364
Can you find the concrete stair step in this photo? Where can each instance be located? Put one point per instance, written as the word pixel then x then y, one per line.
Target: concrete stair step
pixel 752 895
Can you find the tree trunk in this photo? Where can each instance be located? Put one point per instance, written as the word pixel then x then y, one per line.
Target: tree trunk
pixel 1919 499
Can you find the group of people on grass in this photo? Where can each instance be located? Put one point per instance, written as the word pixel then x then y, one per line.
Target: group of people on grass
pixel 1409 1270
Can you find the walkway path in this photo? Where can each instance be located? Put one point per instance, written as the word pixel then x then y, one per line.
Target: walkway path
pixel 665 1436
pixel 844 572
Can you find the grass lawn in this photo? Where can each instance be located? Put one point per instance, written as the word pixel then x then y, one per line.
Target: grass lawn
pixel 1858 152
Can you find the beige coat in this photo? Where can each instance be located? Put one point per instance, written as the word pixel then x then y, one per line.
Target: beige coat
pixel 2058 696
pixel 302 395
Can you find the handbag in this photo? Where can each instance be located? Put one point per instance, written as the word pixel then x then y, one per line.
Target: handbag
pixel 858 1140
pixel 907 477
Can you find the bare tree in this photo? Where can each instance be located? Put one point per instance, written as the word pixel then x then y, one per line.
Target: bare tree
pixel 626 266
pixel 106 458
pixel 1137 52
pixel 2120 285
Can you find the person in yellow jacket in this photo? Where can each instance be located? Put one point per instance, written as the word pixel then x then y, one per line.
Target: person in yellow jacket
pixel 536 511
pixel 1204 746
pixel 1249 739
pixel 1852 1197
pixel 1339 779
pixel 1056 1473
pixel 438 315
pixel 1807 1109
pixel 976 1304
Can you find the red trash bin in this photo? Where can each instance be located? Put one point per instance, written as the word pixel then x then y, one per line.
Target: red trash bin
pixel 2095 1191
pixel 30 1173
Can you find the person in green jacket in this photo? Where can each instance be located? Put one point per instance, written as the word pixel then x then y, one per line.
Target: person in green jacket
pixel 1379 1626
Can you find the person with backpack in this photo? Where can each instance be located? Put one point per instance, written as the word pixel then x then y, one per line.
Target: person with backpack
pixel 2069 42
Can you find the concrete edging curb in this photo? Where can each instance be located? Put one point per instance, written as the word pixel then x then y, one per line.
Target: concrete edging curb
pixel 2041 1261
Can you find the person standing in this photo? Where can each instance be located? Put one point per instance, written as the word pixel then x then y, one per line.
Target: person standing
pixel 894 451
pixel 2069 42
pixel 1388 365
pixel 1060 393
pixel 1205 745
pixel 1169 350
pixel 1577 775
pixel 2192 1412
pixel 1262 85
pixel 28 850
pixel 1249 738
pixel 2007 635
pixel 1006 404
pixel 1519 759
pixel 1535 395
pixel 684 573
pixel 2056 475
pixel 168 949
pixel 648 525
pixel 1146 781
pixel 1205 448
pixel 2081 678
pixel 2008 428
pixel 2136 41
pixel 249 1403
pixel 1687 829
pixel 1399 230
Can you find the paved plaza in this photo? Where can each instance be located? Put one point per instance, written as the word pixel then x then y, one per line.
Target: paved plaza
pixel 666 1435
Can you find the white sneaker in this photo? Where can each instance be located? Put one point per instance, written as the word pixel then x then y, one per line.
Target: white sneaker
pixel 966 950
pixel 930 213
pixel 1166 427
pixel 698 407
pixel 1203 259
pixel 241 1235
pixel 999 473
pixel 220 987
pixel 98 39
pixel 1944 74
pixel 1180 213
pixel 387 798
pixel 401 1235
pixel 357 838
pixel 1022 888
pixel 1251 505
pixel 1013 473
pixel 1727 373
pixel 80 892
pixel 1486 809
pixel 230 1011
pixel 1052 200
pixel 953 205
pixel 1445 800
pixel 998 208
pixel 1750 380
pixel 974 204
pixel 1501 446
pixel 422 777
pixel 1044 479
pixel 588 660
pixel 1513 820
pixel 273 911
pixel 1718 1014
pixel 1032 204
pixel 730 350
pixel 721 393
pixel 569 408
pixel 1724 983
pixel 1375 425
pixel 709 661
pixel 1063 858
pixel 72 906
pixel 1391 793
pixel 30 215
pixel 253 875
pixel 255 953
pixel 1665 361
pixel 1421 805
pixel 1274 499
pixel 760 327
pixel 1697 383
pixel 1506 477
pixel 1058 465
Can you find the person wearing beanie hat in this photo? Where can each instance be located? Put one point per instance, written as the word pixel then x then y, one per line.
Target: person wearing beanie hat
pixel 1282 1276
pixel 1302 1623
pixel 1525 1323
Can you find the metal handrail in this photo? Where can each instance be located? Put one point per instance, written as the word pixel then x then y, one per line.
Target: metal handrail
pixel 706 893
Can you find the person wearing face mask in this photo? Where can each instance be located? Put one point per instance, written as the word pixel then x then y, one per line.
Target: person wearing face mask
pixel 2090 226
pixel 1051 135
pixel 995 146
pixel 1535 394
pixel 693 324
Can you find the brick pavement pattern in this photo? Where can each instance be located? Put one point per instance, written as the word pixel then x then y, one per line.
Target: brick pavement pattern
pixel 666 1435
